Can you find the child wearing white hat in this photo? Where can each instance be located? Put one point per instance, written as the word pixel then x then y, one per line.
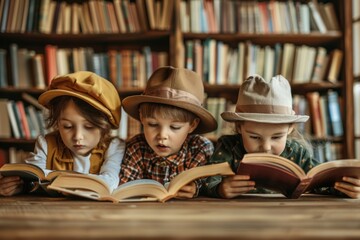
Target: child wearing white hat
pixel 265 122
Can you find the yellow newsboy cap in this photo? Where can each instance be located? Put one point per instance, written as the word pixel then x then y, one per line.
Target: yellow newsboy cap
pixel 89 87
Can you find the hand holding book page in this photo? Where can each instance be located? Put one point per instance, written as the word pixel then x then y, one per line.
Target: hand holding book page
pixel 92 187
pixel 282 175
pixel 32 173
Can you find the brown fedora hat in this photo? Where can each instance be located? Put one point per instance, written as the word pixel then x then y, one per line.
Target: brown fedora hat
pixel 177 87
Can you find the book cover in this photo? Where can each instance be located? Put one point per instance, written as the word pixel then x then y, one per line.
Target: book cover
pixel 284 176
pixel 32 173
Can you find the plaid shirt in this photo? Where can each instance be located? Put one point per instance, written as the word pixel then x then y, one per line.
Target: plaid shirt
pixel 141 162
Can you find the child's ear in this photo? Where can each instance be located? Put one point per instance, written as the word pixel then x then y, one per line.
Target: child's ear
pixel 194 124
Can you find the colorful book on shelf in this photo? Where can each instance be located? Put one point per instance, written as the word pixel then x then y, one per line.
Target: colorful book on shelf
pixel 335 116
pixel 284 176
pixel 23 119
pixel 3 69
pixel 5 129
pixel 315 13
pixel 314 106
pixel 334 66
pixel 93 187
pixel 13 119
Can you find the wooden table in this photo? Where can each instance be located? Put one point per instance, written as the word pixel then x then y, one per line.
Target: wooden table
pixel 249 217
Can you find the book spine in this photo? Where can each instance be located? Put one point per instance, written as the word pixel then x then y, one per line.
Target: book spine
pixel 300 189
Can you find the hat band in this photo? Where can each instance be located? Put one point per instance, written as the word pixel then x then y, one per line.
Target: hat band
pixel 264 109
pixel 173 94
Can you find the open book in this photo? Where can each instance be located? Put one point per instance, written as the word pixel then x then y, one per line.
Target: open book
pixel 31 173
pixel 90 186
pixel 284 176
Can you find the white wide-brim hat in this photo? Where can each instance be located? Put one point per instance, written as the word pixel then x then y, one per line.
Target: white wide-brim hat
pixel 265 102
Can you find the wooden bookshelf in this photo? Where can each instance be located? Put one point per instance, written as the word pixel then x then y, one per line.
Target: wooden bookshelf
pixel 171 40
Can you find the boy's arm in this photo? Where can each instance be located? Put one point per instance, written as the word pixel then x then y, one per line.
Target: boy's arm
pixel 204 150
pixel 222 153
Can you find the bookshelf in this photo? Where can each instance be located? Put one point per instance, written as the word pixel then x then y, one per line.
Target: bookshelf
pixel 195 31
pixel 356 72
pixel 169 37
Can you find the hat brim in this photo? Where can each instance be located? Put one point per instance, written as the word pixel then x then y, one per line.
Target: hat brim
pixel 207 121
pixel 47 96
pixel 264 118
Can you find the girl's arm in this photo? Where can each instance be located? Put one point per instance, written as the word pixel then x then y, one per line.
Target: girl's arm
pixel 111 167
pixel 39 156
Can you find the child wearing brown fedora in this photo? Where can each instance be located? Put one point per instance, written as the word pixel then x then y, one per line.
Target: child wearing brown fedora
pixel 265 122
pixel 83 108
pixel 171 113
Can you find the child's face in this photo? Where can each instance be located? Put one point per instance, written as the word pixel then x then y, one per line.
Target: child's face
pixel 264 137
pixel 166 136
pixel 77 133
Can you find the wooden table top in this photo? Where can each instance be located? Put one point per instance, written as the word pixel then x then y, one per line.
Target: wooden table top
pixel 248 217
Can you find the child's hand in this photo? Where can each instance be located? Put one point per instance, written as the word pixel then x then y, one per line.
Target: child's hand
pixel 349 186
pixel 187 191
pixel 10 186
pixel 234 186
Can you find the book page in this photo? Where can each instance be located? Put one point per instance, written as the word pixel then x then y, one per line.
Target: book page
pixel 191 174
pixel 274 160
pixel 27 171
pixel 140 188
pixel 81 182
pixel 334 164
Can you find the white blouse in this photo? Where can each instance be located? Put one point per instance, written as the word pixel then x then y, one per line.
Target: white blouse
pixel 109 171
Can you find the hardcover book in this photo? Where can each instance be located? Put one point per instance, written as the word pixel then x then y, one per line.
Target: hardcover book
pixel 30 172
pixel 284 176
pixel 92 187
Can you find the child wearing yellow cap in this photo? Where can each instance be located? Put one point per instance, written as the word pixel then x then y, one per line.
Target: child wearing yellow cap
pixel 83 108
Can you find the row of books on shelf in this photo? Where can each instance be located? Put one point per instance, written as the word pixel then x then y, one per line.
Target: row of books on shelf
pixel 227 16
pixel 125 68
pixel 326 151
pixel 324 111
pixel 21 120
pixel 93 16
pixel 13 155
pixel 218 63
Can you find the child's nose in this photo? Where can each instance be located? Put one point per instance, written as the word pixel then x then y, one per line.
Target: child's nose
pixel 266 146
pixel 163 133
pixel 78 134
